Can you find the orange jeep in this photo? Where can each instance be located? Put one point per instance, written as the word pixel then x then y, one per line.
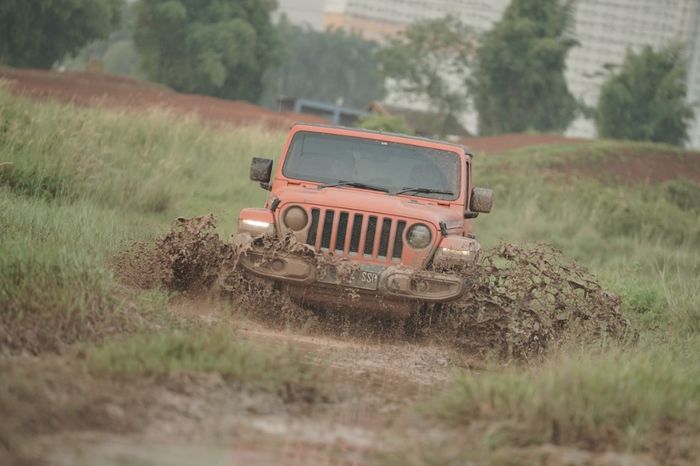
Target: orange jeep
pixel 389 215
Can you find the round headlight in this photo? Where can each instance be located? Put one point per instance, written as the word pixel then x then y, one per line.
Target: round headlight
pixel 295 218
pixel 419 236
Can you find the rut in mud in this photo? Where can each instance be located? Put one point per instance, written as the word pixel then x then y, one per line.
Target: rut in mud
pixel 520 301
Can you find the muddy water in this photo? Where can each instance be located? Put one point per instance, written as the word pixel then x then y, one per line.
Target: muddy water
pixel 521 300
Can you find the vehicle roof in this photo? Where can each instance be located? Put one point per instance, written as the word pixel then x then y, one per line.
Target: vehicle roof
pixel 466 150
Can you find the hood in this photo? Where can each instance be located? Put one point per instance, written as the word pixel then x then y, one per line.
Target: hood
pixel 373 202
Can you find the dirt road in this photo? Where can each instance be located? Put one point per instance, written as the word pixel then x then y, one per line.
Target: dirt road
pixel 366 410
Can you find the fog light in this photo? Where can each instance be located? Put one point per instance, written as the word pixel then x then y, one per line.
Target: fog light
pixel 277 265
pixel 255 227
pixel 256 224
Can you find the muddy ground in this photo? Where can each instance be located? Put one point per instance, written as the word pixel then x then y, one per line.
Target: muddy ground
pixel 105 90
pixel 367 415
pixel 376 374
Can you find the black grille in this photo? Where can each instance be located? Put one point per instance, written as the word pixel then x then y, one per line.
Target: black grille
pixel 384 238
pixel 369 236
pixel 327 228
pixel 342 231
pixel 356 233
pixel 313 229
pixel 349 233
pixel 398 242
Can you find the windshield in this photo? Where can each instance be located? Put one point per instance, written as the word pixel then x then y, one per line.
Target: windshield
pixel 328 158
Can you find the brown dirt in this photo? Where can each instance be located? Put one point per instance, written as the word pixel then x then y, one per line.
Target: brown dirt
pixel 522 301
pixel 630 168
pixel 97 89
pixel 506 142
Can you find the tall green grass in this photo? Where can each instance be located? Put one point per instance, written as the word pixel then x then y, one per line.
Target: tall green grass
pixel 644 243
pixel 76 184
pixel 584 396
pixel 642 240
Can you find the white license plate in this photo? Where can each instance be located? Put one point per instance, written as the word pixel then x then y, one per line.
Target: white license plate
pixel 364 276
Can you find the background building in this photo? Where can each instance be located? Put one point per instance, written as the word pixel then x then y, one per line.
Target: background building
pixel 606 29
pixel 377 19
pixel 302 12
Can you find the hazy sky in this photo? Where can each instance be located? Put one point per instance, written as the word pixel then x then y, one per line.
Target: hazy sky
pixel 303 11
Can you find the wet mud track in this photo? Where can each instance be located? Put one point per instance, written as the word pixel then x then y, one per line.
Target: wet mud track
pixel 523 303
pixel 373 388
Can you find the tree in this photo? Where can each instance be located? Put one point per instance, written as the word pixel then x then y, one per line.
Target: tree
pixel 38 33
pixel 519 79
pixel 117 51
pixel 429 60
pixel 328 66
pixel 646 99
pixel 213 47
pixel 392 124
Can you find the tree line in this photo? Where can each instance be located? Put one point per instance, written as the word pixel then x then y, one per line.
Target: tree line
pixel 513 75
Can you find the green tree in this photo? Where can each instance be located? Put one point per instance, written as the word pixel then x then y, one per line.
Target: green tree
pixel 390 123
pixel 328 66
pixel 519 79
pixel 426 59
pixel 38 33
pixel 646 99
pixel 213 47
pixel 122 58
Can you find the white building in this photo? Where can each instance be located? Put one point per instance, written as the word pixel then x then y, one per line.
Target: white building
pixel 606 29
pixel 377 19
pixel 302 12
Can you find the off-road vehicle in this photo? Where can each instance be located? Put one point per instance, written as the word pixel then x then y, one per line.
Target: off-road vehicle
pixel 387 214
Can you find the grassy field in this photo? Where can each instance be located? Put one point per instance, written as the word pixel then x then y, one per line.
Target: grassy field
pixel 76 185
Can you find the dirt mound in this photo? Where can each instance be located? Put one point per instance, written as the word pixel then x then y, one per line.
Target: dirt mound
pixel 92 89
pixel 521 300
pixel 628 167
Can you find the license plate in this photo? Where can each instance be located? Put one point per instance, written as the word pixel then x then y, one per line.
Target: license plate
pixel 364 276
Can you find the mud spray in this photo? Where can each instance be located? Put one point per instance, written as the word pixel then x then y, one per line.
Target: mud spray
pixel 520 301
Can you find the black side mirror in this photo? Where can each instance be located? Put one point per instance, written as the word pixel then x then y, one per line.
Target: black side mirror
pixel 469 214
pixel 261 170
pixel 481 201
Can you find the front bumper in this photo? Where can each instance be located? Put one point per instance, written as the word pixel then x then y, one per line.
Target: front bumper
pixel 394 282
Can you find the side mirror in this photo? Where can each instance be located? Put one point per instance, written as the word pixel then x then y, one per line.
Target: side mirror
pixel 261 170
pixel 481 201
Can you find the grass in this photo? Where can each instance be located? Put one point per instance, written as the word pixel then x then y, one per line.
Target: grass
pixel 212 350
pixel 585 397
pixel 643 241
pixel 76 184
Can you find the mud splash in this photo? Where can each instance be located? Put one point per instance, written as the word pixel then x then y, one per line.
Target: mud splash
pixel 521 300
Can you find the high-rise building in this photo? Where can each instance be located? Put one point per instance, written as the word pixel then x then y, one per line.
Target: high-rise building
pixel 605 29
pixel 379 19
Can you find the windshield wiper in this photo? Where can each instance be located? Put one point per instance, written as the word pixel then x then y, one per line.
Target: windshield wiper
pixel 354 184
pixel 424 191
